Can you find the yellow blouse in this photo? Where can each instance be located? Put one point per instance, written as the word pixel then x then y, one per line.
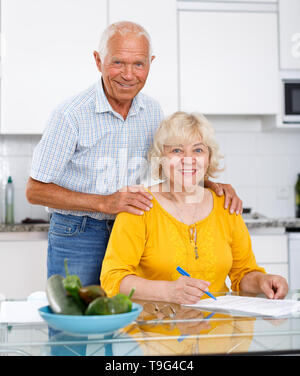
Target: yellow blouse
pixel 151 246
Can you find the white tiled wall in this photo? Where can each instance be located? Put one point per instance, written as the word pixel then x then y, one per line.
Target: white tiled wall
pixel 15 160
pixel 261 166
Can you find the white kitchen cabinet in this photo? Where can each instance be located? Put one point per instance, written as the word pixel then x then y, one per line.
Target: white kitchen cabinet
pixel 289 34
pixel 46 56
pixel 294 260
pixel 23 264
pixel 228 62
pixel 271 252
pixel 159 18
pixel 279 269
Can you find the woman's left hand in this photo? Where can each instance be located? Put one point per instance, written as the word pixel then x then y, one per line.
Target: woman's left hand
pixel 231 198
pixel 273 286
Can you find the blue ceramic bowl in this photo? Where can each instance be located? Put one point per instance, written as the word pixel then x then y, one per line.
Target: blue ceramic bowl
pixel 84 325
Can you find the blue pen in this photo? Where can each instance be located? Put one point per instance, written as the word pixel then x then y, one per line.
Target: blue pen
pixel 183 272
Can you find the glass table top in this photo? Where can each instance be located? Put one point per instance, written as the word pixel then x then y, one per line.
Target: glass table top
pixel 163 329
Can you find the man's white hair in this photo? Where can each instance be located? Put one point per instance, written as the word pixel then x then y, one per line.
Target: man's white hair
pixel 122 27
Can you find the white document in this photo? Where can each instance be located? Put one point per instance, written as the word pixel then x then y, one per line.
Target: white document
pixel 250 305
pixel 21 312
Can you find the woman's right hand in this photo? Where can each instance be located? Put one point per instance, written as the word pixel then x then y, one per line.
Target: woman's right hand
pixel 187 290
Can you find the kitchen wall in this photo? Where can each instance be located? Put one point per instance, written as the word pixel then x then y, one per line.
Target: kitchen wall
pixel 262 166
pixel 15 159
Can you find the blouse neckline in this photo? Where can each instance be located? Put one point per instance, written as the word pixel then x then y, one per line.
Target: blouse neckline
pixel 174 219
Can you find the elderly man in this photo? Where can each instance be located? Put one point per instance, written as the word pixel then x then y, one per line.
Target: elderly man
pixel 81 169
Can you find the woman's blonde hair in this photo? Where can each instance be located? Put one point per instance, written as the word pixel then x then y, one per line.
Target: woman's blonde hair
pixel 184 127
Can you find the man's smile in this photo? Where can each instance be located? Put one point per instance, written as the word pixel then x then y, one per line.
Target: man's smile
pixel 125 86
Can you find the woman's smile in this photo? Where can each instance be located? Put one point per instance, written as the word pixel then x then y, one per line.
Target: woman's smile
pixel 188 172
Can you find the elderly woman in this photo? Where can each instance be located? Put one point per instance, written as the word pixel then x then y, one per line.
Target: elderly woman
pixel 187 227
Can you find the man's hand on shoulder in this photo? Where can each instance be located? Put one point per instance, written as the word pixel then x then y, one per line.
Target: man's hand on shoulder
pixel 131 199
pixel 231 198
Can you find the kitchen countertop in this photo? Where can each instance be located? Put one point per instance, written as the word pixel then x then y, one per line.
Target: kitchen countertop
pixel 251 223
pixel 20 227
pixel 293 223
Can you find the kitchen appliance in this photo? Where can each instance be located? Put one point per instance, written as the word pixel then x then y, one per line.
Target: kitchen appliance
pixel 291 100
pixel 294 260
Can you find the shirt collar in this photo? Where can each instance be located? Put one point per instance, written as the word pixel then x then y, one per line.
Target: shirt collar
pixel 102 104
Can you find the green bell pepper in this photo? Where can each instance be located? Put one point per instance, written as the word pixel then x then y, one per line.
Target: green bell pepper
pixel 120 303
pixel 98 306
pixel 72 284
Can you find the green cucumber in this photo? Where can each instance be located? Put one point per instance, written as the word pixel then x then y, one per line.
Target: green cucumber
pixel 58 299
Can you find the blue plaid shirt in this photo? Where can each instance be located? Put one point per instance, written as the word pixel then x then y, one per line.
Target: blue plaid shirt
pixel 88 147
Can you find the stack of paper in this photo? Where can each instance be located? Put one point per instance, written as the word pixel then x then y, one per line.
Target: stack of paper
pixel 250 306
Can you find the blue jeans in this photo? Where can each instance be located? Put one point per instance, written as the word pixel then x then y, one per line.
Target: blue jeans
pixel 83 241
